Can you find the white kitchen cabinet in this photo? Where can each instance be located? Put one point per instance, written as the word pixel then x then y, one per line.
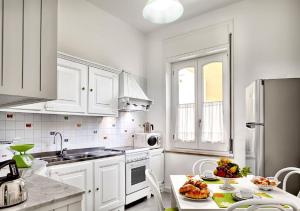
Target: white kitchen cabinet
pixel 83 88
pixel 28 51
pixel 71 207
pixel 80 175
pixel 118 209
pixel 70 204
pixel 103 92
pixel 72 83
pixel 109 183
pixel 103 181
pixel 157 164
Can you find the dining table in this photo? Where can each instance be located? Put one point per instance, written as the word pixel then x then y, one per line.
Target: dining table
pixel 184 204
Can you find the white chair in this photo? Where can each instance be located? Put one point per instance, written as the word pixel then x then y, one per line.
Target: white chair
pixel 287 177
pixel 255 204
pixel 156 192
pixel 284 170
pixel 202 163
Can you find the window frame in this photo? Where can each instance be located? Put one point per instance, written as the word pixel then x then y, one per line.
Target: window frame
pixel 198 63
pixel 174 99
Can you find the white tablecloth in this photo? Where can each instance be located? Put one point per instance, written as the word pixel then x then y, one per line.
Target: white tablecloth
pixel 187 205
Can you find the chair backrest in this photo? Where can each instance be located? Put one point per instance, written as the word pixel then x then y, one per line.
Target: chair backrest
pixel 255 204
pixel 287 177
pixel 201 164
pixel 284 170
pixel 151 178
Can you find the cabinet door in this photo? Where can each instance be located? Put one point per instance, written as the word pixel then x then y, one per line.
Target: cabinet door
pixel 71 87
pixel 109 183
pixel 32 47
pixel 157 165
pixel 29 31
pixel 49 49
pixel 12 49
pixel 103 92
pixel 79 175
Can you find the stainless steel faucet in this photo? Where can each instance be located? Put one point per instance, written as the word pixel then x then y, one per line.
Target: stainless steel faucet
pixel 62 150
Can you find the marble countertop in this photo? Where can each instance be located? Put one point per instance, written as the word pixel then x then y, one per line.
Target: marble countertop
pixel 43 191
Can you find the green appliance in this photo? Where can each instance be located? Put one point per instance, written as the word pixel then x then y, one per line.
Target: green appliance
pixel 22 159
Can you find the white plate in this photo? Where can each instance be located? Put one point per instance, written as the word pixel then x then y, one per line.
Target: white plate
pixel 209 178
pixel 191 199
pixel 238 196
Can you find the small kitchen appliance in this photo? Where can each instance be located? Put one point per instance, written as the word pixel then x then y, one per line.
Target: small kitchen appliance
pixel 22 159
pixel 12 187
pixel 148 127
pixel 151 140
pixel 5 152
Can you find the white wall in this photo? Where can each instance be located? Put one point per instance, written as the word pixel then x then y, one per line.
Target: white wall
pixel 86 31
pixel 266 45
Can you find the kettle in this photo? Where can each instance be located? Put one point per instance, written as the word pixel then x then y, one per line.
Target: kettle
pixel 148 127
pixel 12 187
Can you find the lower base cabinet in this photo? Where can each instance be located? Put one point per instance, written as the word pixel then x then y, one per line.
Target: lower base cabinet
pixel 109 181
pixel 103 181
pixel 71 204
pixel 78 174
pixel 118 209
pixel 157 165
pixel 71 207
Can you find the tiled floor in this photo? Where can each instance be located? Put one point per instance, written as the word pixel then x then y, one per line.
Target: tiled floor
pixel 149 204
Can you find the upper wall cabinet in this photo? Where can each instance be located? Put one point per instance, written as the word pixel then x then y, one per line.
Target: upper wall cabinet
pixel 28 50
pixel 83 88
pixel 72 84
pixel 103 92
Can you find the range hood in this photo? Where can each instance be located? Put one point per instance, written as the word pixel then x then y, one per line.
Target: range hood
pixel 131 95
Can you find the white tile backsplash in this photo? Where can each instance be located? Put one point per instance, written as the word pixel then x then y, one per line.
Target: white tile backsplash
pixel 80 131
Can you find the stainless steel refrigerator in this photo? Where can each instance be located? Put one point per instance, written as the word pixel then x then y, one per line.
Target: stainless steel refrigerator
pixel 273 127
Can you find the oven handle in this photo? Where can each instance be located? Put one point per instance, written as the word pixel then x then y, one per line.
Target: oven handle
pixel 138 161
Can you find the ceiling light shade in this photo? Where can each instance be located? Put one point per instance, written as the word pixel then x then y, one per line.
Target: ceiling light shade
pixel 162 11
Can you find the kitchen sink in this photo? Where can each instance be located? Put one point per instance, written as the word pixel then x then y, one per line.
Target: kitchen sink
pixel 80 156
pixel 75 157
pixel 54 159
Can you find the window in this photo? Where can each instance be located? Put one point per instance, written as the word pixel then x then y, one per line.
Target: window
pixel 201 103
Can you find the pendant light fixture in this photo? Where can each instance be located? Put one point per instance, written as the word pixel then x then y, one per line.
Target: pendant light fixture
pixel 162 11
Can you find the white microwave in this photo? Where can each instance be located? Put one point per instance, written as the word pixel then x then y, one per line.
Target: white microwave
pixel 150 140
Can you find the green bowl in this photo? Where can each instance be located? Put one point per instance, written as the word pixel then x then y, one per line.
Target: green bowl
pixel 22 147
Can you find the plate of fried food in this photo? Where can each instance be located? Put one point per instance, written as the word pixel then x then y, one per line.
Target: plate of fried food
pixel 265 183
pixel 195 190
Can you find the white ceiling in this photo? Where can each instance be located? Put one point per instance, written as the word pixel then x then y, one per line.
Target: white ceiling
pixel 131 10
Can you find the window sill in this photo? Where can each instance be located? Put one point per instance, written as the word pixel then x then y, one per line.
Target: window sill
pixel 199 152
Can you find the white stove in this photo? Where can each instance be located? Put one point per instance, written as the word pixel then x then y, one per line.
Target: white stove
pixel 137 161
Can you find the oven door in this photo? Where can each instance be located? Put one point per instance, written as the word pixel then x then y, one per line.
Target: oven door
pixel 135 176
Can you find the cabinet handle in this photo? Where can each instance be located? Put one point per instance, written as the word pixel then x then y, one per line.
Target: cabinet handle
pixel 83 88
pixel 91 90
pixel 89 191
pixel 97 189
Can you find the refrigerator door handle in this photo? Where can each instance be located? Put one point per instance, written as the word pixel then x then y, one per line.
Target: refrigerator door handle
pixel 253 124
